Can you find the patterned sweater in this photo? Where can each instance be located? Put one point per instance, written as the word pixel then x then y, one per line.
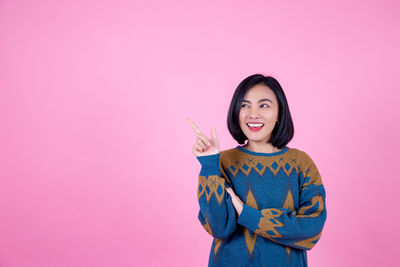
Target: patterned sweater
pixel 283 212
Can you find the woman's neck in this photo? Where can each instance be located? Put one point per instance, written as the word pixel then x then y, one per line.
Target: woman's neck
pixel 261 147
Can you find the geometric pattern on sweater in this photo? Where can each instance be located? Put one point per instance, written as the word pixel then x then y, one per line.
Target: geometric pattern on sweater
pixel 211 185
pixel 284 203
pixel 309 243
pixel 317 204
pixel 268 223
pixel 218 244
pixel 289 204
pixel 218 241
pixel 207 227
pixel 260 165
pixel 265 223
pixel 250 238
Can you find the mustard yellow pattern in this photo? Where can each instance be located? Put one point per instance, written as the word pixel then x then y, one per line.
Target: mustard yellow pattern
pixel 250 239
pixel 218 244
pixel 207 227
pixel 267 223
pixel 315 200
pixel 214 184
pixel 309 243
pixel 285 162
pixel 289 204
pixel 316 177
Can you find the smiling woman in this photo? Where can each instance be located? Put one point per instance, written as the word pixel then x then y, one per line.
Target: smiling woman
pixel 254 126
pixel 261 100
pixel 260 118
pixel 263 202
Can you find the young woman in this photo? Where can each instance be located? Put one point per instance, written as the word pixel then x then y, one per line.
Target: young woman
pixel 263 202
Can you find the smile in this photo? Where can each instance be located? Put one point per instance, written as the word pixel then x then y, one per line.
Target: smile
pixel 255 127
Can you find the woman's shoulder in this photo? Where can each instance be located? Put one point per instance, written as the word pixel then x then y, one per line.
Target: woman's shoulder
pixel 299 153
pixel 304 159
pixel 229 153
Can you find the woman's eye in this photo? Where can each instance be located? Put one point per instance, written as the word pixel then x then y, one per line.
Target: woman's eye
pixel 264 105
pixel 244 105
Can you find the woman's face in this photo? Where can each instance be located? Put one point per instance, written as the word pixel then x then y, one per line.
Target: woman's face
pixel 259 106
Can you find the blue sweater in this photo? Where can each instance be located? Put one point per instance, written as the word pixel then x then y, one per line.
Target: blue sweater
pixel 283 212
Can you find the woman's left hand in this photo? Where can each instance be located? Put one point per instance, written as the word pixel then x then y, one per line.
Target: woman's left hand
pixel 237 203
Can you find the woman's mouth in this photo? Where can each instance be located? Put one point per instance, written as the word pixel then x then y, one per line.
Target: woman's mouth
pixel 255 127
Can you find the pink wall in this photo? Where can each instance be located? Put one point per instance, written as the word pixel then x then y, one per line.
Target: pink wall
pixel 95 153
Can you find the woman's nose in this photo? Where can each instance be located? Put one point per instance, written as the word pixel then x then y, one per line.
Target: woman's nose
pixel 253 113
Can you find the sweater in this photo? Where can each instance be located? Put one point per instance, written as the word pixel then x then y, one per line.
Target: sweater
pixel 284 208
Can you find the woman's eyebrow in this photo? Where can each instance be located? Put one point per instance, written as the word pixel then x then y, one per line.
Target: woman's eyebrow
pixel 259 101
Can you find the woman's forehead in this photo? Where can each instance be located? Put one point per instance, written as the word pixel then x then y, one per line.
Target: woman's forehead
pixel 258 92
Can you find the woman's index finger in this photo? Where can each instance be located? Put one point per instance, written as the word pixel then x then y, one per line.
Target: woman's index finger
pixel 195 128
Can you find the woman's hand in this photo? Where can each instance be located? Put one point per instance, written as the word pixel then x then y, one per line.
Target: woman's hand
pixel 237 203
pixel 204 146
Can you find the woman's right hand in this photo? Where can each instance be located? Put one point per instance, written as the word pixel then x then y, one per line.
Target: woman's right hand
pixel 204 146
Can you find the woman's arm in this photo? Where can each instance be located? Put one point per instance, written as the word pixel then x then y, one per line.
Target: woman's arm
pixel 281 225
pixel 217 214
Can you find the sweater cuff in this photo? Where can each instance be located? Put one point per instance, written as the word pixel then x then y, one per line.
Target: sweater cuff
pixel 249 218
pixel 210 164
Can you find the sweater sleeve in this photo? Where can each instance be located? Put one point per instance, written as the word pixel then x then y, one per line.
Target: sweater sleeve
pixel 283 226
pixel 217 213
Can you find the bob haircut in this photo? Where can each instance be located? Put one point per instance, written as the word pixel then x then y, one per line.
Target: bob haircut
pixel 282 132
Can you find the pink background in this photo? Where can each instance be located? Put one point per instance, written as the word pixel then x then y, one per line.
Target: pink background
pixel 95 153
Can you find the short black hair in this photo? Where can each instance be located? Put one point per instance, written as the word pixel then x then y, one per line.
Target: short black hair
pixel 283 132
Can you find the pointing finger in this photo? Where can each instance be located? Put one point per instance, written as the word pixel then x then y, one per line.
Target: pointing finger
pixel 195 128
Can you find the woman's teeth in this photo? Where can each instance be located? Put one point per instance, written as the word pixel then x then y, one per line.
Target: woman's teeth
pixel 255 125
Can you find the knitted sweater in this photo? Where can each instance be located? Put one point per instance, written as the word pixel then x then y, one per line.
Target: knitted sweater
pixel 283 207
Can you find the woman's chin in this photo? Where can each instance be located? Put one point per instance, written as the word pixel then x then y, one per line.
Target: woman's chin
pixel 254 137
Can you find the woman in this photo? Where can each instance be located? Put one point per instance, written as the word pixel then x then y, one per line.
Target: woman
pixel 263 202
